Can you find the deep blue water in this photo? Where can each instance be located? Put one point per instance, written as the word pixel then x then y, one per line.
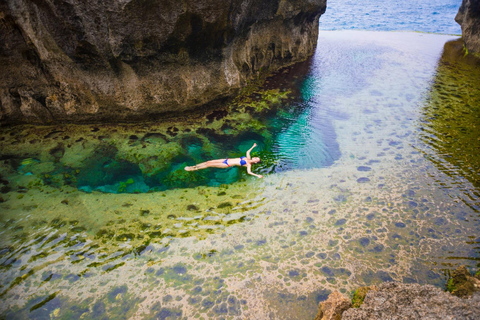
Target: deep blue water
pixel 436 16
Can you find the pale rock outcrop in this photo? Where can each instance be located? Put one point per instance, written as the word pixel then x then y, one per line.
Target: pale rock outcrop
pixel 414 302
pixel 333 307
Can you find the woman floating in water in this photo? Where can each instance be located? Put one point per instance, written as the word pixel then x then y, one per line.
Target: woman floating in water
pixel 226 163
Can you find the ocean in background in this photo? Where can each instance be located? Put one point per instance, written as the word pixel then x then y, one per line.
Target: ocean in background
pixel 436 16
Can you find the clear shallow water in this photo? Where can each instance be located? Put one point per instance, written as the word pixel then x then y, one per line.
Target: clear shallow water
pixel 392 15
pixel 394 199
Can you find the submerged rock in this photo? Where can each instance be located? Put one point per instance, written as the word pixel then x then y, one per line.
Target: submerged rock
pixel 462 284
pixel 125 60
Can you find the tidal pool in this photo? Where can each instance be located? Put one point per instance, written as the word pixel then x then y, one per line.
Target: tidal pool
pixel 372 173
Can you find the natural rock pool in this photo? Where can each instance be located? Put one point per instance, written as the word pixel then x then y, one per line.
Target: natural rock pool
pixel 370 156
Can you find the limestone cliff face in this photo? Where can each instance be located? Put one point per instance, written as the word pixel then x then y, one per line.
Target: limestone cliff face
pixel 469 19
pixel 90 60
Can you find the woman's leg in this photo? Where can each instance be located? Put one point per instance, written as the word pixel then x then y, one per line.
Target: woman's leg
pixel 196 167
pixel 208 164
pixel 220 163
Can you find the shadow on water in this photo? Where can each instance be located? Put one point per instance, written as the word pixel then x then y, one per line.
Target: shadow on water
pixel 450 124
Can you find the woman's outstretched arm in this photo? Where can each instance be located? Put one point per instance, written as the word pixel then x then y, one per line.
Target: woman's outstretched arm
pixel 248 152
pixel 249 171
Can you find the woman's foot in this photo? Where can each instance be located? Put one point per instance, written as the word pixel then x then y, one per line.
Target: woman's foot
pixel 192 168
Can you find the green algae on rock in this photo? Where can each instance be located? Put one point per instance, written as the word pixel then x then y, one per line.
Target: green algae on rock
pixel 461 283
pixel 410 301
pixel 360 294
pixel 452 113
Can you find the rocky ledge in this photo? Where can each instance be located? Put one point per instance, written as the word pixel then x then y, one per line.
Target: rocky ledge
pixel 394 300
pixel 89 60
pixel 469 19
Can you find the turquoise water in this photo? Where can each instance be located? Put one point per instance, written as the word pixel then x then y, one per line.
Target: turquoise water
pixel 392 15
pixel 290 131
pixel 289 134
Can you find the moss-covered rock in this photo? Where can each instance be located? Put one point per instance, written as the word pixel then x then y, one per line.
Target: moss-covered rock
pixel 461 283
pixel 150 158
pixel 360 294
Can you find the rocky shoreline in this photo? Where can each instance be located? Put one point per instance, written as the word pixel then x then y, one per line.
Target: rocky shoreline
pixel 394 300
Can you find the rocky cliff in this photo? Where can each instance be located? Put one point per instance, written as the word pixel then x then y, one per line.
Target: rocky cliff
pixel 469 19
pixel 89 60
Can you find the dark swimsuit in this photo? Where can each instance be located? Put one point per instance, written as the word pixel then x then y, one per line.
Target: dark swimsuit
pixel 242 162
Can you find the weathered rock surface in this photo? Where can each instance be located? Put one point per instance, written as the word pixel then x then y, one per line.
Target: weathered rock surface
pixel 414 301
pixel 468 17
pixel 89 60
pixel 333 307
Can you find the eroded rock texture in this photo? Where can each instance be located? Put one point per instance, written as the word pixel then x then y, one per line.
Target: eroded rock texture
pixel 333 307
pixel 414 301
pixel 89 60
pixel 469 19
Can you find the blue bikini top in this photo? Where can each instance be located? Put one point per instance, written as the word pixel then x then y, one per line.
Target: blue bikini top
pixel 242 161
